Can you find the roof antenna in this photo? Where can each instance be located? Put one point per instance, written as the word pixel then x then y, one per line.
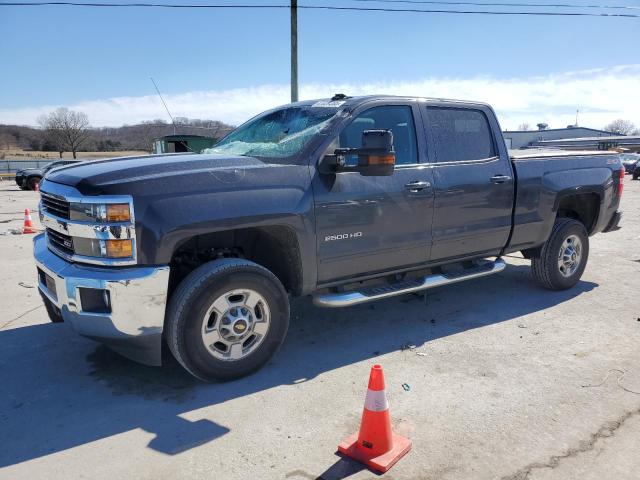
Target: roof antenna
pixel 165 105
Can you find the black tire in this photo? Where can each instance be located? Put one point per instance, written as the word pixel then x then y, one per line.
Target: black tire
pixel 545 267
pixel 32 183
pixel 193 297
pixel 636 175
pixel 52 311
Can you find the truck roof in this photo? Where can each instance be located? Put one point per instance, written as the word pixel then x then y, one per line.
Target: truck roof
pixel 357 100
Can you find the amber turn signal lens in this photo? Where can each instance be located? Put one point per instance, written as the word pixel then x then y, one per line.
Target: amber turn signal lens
pixel 118 212
pixel 382 160
pixel 119 248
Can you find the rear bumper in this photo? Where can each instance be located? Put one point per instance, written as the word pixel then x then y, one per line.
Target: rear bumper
pixel 614 222
pixel 133 322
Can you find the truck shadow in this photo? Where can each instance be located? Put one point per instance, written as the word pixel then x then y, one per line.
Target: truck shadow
pixel 54 401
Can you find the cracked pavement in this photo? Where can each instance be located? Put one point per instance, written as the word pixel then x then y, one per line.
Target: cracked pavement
pixel 497 373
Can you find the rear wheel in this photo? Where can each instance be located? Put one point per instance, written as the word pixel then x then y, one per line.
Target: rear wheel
pixel 636 175
pixel 33 183
pixel 563 256
pixel 226 319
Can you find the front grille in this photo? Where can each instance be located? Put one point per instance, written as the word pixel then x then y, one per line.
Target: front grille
pixel 55 206
pixel 60 241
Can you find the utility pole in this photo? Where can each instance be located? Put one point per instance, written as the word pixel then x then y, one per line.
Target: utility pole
pixel 294 50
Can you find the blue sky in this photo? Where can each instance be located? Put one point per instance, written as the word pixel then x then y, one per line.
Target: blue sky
pixel 74 56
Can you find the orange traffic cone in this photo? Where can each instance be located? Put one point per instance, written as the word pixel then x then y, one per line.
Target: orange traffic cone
pixel 375 445
pixel 28 223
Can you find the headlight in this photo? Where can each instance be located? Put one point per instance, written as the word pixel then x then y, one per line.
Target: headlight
pixel 93 247
pixel 119 248
pixel 97 212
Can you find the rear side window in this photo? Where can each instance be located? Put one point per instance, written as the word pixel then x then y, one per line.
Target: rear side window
pixel 397 118
pixel 460 134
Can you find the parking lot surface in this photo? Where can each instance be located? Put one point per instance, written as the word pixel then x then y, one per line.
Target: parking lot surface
pixel 503 380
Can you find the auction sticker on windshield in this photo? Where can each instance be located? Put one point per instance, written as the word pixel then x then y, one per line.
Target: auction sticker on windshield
pixel 330 104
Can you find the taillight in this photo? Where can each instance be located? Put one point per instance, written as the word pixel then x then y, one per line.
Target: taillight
pixel 620 182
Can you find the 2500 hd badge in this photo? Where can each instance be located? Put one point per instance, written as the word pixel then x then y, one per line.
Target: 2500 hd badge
pixel 342 236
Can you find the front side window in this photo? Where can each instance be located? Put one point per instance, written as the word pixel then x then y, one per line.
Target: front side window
pixel 397 118
pixel 276 134
pixel 460 134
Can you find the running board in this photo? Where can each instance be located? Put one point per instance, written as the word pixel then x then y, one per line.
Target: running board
pixel 347 299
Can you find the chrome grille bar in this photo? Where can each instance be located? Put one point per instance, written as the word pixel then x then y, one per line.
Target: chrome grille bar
pixel 55 206
pixel 60 241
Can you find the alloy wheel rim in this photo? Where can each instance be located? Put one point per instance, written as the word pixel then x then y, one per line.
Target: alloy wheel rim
pixel 235 324
pixel 570 255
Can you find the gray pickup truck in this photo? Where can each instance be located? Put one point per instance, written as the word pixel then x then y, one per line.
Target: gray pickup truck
pixel 348 200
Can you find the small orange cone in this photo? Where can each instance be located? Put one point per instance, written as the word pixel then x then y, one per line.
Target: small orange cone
pixel 28 223
pixel 376 445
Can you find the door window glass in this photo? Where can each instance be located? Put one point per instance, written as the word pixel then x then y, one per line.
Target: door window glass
pixel 397 118
pixel 460 134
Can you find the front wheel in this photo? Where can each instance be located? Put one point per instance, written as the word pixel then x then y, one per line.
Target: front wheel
pixel 226 319
pixel 563 256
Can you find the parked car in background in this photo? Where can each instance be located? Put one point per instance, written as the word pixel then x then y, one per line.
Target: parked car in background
pixel 29 178
pixel 630 161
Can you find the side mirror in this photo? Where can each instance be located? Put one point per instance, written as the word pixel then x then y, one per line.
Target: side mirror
pixel 376 157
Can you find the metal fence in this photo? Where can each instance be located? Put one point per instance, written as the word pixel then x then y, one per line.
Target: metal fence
pixel 8 165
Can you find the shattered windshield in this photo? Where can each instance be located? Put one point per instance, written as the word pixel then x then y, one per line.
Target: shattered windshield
pixel 276 134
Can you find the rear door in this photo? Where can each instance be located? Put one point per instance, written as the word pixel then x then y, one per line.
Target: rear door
pixel 474 185
pixel 374 224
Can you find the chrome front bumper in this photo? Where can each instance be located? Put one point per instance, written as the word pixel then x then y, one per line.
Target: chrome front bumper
pixel 137 299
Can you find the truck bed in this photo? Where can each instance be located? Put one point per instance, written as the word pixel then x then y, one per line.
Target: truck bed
pixel 547 153
pixel 545 176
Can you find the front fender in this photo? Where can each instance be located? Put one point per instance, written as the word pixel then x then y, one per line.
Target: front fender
pixel 164 221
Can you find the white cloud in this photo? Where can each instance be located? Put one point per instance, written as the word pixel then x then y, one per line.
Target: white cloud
pixel 601 95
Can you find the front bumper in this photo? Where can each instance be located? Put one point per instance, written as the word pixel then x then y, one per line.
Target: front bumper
pixel 133 322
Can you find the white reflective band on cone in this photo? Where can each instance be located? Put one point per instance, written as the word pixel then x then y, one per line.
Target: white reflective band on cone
pixel 376 401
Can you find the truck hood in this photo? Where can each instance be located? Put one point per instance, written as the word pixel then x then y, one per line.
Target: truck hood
pixel 127 174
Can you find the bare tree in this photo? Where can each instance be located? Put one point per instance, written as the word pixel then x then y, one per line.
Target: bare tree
pixel 620 126
pixel 524 126
pixel 66 129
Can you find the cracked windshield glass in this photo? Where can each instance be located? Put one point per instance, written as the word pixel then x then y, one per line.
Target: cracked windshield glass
pixel 276 134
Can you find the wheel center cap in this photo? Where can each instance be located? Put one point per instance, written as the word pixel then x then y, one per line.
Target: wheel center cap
pixel 240 327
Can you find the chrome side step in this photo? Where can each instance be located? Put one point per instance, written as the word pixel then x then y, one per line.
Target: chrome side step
pixel 347 299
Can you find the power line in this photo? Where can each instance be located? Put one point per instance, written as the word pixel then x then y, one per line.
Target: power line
pixel 317 7
pixel 501 4
pixel 474 12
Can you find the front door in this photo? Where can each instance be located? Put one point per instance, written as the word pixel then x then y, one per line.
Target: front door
pixel 367 225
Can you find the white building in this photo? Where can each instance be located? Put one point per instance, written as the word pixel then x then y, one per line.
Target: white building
pixel 527 138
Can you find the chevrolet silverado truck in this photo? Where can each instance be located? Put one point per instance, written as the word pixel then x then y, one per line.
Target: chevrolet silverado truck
pixel 348 200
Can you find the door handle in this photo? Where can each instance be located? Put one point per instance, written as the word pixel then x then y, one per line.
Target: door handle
pixel 500 178
pixel 417 186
